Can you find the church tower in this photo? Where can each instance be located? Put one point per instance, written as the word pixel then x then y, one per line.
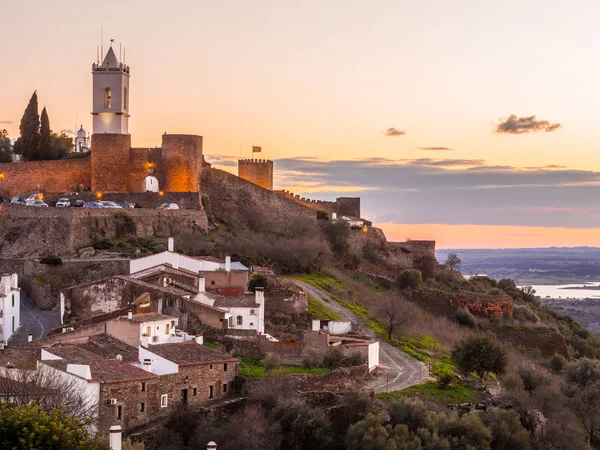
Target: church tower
pixel 111 141
pixel 110 105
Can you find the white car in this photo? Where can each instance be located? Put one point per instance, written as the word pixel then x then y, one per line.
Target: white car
pixel 36 203
pixel 38 196
pixel 107 204
pixel 63 203
pixel 169 206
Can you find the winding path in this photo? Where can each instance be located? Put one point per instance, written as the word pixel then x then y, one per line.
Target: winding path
pixel 398 369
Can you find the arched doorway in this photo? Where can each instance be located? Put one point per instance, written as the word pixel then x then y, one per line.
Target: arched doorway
pixel 150 184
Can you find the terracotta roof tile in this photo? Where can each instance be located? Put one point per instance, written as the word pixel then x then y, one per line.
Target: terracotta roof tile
pixel 190 353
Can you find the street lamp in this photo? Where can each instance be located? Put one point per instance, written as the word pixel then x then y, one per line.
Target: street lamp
pixel 99 196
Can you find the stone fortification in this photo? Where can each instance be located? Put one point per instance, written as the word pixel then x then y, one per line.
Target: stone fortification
pixel 343 206
pixel 238 200
pixel 28 231
pixel 544 340
pixel 147 200
pixel 257 171
pixel 446 303
pixel 50 176
pixel 110 162
pixel 182 162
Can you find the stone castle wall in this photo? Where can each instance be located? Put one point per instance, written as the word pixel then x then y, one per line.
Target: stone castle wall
pixel 445 303
pixel 51 176
pixel 257 171
pixel 343 206
pixel 110 162
pixel 182 162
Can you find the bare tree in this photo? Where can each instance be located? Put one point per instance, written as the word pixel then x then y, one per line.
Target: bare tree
pixel 453 261
pixel 394 310
pixel 49 389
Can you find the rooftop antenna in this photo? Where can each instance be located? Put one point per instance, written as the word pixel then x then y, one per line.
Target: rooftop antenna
pixel 124 52
pixel 102 41
pixel 120 53
pixel 97 55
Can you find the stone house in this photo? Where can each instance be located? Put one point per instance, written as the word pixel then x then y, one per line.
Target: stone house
pixel 10 307
pixel 245 312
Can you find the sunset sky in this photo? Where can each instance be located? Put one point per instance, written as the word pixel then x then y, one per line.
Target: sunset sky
pixel 408 104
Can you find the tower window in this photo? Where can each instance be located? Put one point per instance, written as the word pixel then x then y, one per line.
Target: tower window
pixel 107 98
pixel 125 98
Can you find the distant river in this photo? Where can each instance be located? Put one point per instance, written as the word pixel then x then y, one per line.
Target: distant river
pixel 567 291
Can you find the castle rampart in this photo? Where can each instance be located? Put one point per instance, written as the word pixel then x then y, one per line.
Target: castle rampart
pixel 182 162
pixel 343 206
pixel 257 171
pixel 110 162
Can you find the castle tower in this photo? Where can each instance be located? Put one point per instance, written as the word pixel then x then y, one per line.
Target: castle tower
pixel 111 142
pixel 110 104
pixel 257 171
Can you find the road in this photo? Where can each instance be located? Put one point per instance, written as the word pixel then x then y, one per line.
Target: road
pixel 399 370
pixel 34 320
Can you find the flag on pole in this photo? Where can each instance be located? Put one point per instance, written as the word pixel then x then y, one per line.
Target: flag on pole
pixel 256 149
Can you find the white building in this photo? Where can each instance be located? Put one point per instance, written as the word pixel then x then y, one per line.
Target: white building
pixel 10 306
pixel 82 141
pixel 332 326
pixel 110 104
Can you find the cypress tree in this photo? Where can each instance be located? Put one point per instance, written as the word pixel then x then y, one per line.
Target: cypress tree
pixel 45 145
pixel 27 144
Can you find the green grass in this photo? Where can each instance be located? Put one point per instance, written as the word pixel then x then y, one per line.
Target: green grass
pixel 456 393
pixel 211 344
pixel 43 281
pixel 318 310
pixel 252 367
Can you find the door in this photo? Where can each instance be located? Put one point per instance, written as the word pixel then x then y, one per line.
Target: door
pixel 184 396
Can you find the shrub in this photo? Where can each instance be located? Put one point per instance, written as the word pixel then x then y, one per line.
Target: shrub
pixel 271 363
pixel 444 379
pixel 465 318
pixel 124 225
pixel 532 378
pixel 480 354
pixel 334 358
pixel 51 259
pixel 512 382
pixel 524 312
pixel 354 359
pixel 557 363
pixel 322 215
pixel 370 253
pixel 257 280
pixel 311 359
pixel 410 279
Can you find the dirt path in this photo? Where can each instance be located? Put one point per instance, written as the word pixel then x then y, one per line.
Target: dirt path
pixel 399 369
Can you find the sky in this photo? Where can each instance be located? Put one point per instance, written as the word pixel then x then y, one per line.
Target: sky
pixel 470 122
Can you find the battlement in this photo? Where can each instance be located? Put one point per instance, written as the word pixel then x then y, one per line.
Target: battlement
pixel 343 206
pixel 255 161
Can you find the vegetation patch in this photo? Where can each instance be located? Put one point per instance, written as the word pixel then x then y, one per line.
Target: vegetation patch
pixel 318 310
pixel 253 367
pixel 455 393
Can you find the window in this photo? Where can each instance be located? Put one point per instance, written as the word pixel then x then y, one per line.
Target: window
pixel 107 98
pixel 211 367
pixel 13 299
pixel 124 98
pixel 230 322
pixel 212 282
pixel 210 392
pixel 225 367
pixel 148 331
pixel 142 407
pixel 143 387
pixel 224 388
pixel 13 323
pixel 167 329
pixel 119 411
pixel 239 320
pixel 163 401
pixel 195 392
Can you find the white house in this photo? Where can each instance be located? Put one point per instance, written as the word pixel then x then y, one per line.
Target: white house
pixel 10 306
pixel 332 326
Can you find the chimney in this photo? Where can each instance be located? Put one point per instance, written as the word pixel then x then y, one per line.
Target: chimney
pixel 130 315
pixel 171 244
pixel 114 437
pixel 333 216
pixel 6 282
pixel 259 295
pixel 228 264
pixel 29 337
pixel 199 339
pixel 148 365
pixel 201 284
pixel 211 446
pixel 14 281
pixel 176 262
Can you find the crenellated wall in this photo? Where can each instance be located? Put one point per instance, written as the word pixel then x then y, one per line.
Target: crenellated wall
pixel 343 206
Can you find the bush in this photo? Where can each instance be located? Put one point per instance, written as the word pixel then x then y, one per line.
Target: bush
pixel 512 382
pixel 310 359
pixel 124 225
pixel 257 280
pixel 322 215
pixel 444 379
pixel 410 279
pixel 532 378
pixel 524 312
pixel 51 259
pixel 480 354
pixel 271 363
pixel 557 363
pixel 465 318
pixel 334 358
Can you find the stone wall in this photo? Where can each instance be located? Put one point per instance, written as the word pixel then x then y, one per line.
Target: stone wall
pixel 29 231
pixel 343 206
pixel 146 200
pixel 337 380
pixel 110 162
pixel 288 352
pixel 543 340
pixel 257 171
pixel 239 200
pixel 139 158
pixel 446 303
pixel 182 162
pixel 51 176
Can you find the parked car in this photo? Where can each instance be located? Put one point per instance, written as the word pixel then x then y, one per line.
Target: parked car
pixel 39 203
pixel 78 204
pixel 107 204
pixel 169 206
pixel 37 196
pixel 63 203
pixel 126 205
pixel 93 205
pixel 18 201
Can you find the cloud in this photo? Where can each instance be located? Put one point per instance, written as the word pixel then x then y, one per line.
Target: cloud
pixel 518 125
pixel 68 131
pixel 434 148
pixel 6 122
pixel 395 132
pixel 548 167
pixel 222 160
pixel 450 191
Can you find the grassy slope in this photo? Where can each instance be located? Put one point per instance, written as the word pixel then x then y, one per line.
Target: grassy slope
pixel 456 393
pixel 253 367
pixel 318 310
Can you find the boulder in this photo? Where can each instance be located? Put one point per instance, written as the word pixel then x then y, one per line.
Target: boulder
pixel 86 252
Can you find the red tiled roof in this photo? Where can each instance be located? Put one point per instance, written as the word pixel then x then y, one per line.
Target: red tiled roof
pixel 190 353
pixel 243 301
pixel 148 317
